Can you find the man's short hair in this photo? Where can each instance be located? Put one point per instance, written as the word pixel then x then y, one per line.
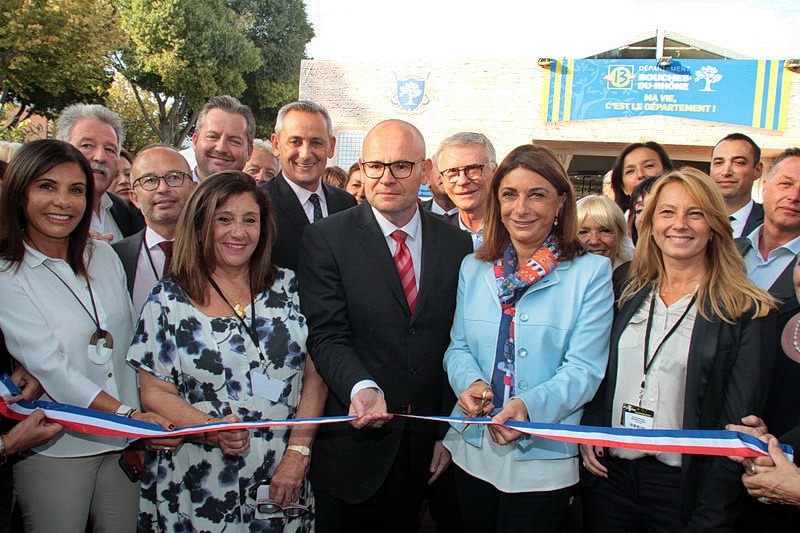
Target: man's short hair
pixel 465 138
pixel 261 144
pixel 789 152
pixel 229 104
pixel 303 105
pixel 742 137
pixel 72 114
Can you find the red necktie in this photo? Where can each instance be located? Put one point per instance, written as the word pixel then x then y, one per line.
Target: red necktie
pixel 166 246
pixel 405 268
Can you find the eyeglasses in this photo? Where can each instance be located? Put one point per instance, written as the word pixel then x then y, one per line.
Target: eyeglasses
pixel 399 169
pixel 292 509
pixel 472 172
pixel 150 183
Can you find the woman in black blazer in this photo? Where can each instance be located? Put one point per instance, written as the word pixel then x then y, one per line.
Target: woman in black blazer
pixel 691 348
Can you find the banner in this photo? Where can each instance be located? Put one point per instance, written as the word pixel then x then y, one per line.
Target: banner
pixel 732 91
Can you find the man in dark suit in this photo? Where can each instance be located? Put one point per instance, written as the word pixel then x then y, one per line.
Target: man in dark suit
pixel 161 184
pixel 303 140
pixel 98 133
pixel 440 203
pixel 735 165
pixel 378 286
pixel 770 257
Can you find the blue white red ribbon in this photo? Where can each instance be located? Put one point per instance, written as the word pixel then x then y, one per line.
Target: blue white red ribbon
pixel 700 442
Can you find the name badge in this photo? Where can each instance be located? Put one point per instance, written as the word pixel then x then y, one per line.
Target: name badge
pixel 636 417
pixel 265 387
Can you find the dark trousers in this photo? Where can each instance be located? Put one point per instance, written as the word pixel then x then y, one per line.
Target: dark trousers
pixel 638 496
pixel 484 508
pixel 395 506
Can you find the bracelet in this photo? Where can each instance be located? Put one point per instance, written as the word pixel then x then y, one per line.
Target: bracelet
pixel 125 410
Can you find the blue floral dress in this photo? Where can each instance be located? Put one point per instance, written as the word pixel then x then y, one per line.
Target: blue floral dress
pixel 209 360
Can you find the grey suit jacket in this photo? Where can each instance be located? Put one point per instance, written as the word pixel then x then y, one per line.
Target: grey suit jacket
pixel 291 219
pixel 128 251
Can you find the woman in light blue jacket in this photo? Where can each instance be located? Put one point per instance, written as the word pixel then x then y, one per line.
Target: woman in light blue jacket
pixel 529 342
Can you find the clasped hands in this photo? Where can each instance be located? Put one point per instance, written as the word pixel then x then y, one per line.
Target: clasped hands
pixel 475 401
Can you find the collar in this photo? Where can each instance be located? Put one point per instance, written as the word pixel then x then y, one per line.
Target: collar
pixel 105 202
pixel 462 226
pixel 744 212
pixel 412 228
pixel 755 237
pixel 34 257
pixel 303 194
pixel 152 238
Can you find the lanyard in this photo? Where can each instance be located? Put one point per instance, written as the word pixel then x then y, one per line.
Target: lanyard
pixel 647 365
pixel 99 333
pixel 251 329
pixel 150 258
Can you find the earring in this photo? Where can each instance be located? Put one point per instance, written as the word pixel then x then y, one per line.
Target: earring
pixel 555 222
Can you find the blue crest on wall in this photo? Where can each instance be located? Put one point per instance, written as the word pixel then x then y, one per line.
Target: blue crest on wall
pixel 410 93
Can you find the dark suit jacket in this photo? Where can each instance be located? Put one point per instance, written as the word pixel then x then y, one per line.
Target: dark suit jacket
pixel 727 378
pixel 292 220
pixel 128 251
pixel 755 219
pixel 127 220
pixel 360 327
pixel 782 413
pixel 426 204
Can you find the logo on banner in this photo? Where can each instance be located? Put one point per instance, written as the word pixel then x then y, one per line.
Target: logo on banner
pixel 619 77
pixel 709 75
pixel 411 93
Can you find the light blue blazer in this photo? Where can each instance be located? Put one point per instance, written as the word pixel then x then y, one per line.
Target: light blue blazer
pixel 562 328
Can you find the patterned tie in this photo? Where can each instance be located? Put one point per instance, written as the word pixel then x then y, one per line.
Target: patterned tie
pixel 314 199
pixel 166 246
pixel 405 268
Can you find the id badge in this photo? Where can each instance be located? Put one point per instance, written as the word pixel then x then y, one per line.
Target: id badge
pixel 265 387
pixel 636 417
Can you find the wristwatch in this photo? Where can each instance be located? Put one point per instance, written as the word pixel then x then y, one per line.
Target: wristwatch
pixel 305 451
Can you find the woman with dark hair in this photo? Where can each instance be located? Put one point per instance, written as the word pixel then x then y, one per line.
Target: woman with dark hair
pixel 636 162
pixel 691 348
pixel 121 186
pixel 355 182
pixel 638 200
pixel 67 319
pixel 529 342
pixel 222 340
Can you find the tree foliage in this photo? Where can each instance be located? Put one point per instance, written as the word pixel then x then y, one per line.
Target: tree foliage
pixel 280 30
pixel 182 52
pixel 54 53
pixel 138 133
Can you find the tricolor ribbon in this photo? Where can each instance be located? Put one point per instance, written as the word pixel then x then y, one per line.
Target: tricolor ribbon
pixel 693 441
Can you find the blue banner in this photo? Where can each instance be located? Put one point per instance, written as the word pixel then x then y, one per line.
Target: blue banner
pixel 732 91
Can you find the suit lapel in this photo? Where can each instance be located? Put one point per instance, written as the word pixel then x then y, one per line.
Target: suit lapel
pixel 431 254
pixel 288 204
pixel 374 243
pixel 702 350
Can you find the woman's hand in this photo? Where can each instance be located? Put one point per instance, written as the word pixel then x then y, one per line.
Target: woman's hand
pixel 231 441
pixel 288 478
pixel 590 456
pixel 473 399
pixel 30 388
pixel 774 484
pixel 160 443
pixel 514 410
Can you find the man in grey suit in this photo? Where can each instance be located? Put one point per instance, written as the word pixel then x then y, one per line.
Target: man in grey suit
pixel 735 165
pixel 304 141
pixel 161 183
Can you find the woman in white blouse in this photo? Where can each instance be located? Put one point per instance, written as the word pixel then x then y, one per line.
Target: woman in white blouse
pixel 690 349
pixel 67 318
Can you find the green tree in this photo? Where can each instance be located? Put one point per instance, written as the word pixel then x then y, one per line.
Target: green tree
pixel 54 53
pixel 182 52
pixel 122 99
pixel 280 30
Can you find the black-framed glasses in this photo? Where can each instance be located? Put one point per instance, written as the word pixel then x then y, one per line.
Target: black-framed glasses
pixel 398 169
pixel 472 172
pixel 292 509
pixel 173 179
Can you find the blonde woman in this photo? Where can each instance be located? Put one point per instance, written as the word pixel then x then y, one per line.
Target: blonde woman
pixel 602 229
pixel 699 332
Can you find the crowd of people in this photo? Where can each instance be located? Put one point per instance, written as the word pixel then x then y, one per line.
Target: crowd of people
pixel 258 283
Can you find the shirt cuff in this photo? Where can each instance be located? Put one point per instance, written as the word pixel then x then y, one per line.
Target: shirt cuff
pixel 364 384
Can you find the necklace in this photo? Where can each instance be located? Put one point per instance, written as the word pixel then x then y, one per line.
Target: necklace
pixel 794 335
pixel 237 306
pixel 683 291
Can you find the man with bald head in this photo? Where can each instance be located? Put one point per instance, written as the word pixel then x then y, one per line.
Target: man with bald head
pixel 161 182
pixel 378 287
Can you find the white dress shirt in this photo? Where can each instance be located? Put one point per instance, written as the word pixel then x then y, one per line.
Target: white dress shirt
pixel 145 277
pixel 739 219
pixel 48 332
pixel 764 272
pixel 304 194
pixel 105 223
pixel 439 210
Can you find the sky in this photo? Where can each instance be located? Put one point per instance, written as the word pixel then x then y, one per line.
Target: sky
pixel 437 29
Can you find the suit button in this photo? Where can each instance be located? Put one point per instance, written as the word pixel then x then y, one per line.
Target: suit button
pixel 522 352
pixel 412 371
pixel 523 385
pixel 412 331
pixel 524 317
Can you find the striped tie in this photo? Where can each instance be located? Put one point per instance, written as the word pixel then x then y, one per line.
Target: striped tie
pixel 405 268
